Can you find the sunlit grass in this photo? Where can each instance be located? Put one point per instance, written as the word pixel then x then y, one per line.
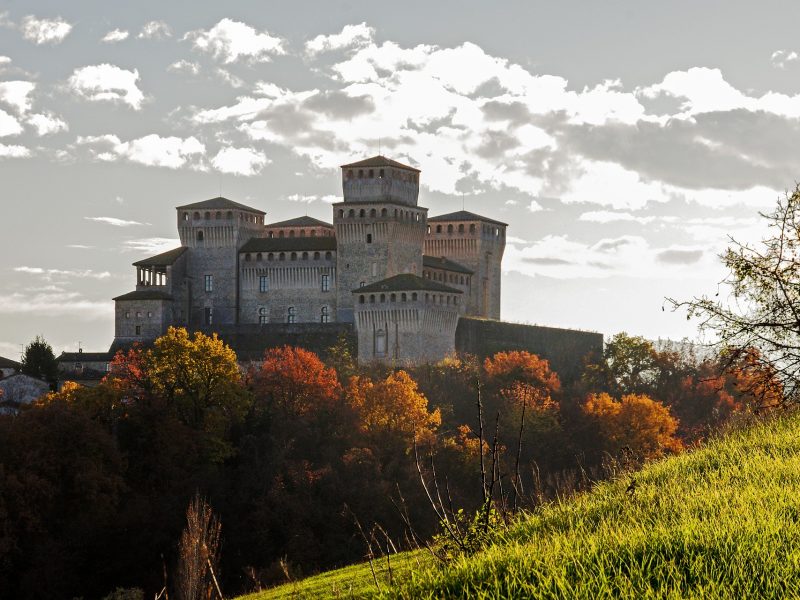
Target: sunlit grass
pixel 719 522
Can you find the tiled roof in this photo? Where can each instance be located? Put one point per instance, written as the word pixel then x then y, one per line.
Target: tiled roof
pixel 440 262
pixel 7 363
pixel 144 295
pixel 406 282
pixel 289 244
pixel 379 161
pixel 85 357
pixel 161 260
pixel 300 222
pixel 221 203
pixel 465 215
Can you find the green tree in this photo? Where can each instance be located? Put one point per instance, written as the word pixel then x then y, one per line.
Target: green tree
pixel 39 361
pixel 629 366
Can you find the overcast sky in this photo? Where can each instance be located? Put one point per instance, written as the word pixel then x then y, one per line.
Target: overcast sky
pixel 622 141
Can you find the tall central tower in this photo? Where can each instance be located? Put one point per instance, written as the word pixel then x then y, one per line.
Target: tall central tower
pixel 380 229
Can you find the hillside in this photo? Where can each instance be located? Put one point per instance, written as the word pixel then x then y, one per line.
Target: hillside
pixel 719 522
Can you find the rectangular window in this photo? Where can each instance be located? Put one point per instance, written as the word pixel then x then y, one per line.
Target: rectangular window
pixel 291 315
pixel 209 280
pixel 138 330
pixel 208 316
pixel 326 283
pixel 263 283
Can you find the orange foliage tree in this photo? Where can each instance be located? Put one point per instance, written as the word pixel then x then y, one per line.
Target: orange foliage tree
pixel 636 422
pixel 522 378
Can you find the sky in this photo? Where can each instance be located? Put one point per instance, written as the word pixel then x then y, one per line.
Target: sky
pixel 623 141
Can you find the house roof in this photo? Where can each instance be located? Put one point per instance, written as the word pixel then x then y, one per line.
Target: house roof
pixel 7 363
pixel 85 357
pixel 144 295
pixel 162 260
pixel 440 262
pixel 289 244
pixel 406 282
pixel 465 215
pixel 222 203
pixel 380 161
pixel 301 222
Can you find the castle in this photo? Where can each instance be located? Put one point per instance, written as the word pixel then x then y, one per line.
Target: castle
pixel 402 279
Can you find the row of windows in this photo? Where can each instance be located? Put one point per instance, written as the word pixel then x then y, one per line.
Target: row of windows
pixel 370 174
pixel 138 314
pixel 228 216
pixel 406 215
pixel 263 283
pixel 292 256
pixel 404 297
pixel 312 233
pixel 291 315
pixel 495 231
pixel 445 277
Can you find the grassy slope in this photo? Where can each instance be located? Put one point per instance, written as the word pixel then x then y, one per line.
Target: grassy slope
pixel 719 522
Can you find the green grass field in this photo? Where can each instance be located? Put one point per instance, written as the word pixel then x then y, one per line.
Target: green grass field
pixel 719 522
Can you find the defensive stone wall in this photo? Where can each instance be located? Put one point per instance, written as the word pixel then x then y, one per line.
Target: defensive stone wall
pixel 564 348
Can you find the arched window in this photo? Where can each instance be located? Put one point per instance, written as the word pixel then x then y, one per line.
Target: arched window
pixel 461 228
pixel 380 343
pixel 217 215
pixel 282 256
pixel 438 229
pixel 196 215
pixel 305 255
pixel 383 212
pixel 362 213
pixel 429 228
pixel 263 315
pixel 324 315
pixel 361 174
pixel 199 236
pixel 207 215
pixel 247 257
pixel 361 299
pixel 185 216
pixel 380 173
pixel 271 234
pixel 349 173
pixel 229 215
pixel 450 228
pixel 293 256
pixel 383 297
pixel 316 255
pixel 472 227
pixel 403 297
pixel 328 256
pixel 414 297
pixel 302 233
pixel 351 213
pixel 270 256
pixel 280 233
pixel 291 315
pixel 373 213
pixel 259 256
pixel 427 298
pixel 372 298
pixel 341 213
pixel 371 173
pixel 291 233
pixel 393 298
pixel 313 233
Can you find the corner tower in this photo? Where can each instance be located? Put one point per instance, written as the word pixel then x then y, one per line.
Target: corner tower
pixel 380 229
pixel 478 243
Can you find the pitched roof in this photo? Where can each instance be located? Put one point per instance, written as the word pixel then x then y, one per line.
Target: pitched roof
pixel 161 260
pixel 144 295
pixel 440 262
pixel 220 202
pixel 7 363
pixel 465 215
pixel 289 244
pixel 300 222
pixel 380 161
pixel 85 357
pixel 406 282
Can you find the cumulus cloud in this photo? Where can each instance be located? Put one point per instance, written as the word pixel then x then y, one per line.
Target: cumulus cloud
pixel 184 66
pixel 780 58
pixel 152 150
pixel 153 245
pixel 607 216
pixel 44 31
pixel 54 273
pixel 231 40
pixel 679 256
pixel 155 30
pixel 46 123
pixel 16 94
pixel 107 82
pixel 114 221
pixel 5 60
pixel 13 151
pixel 115 35
pixel 239 161
pixel 350 36
pixel 9 125
pixel 327 199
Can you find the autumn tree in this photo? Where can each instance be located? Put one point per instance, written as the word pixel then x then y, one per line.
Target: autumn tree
pixel 636 423
pixel 39 361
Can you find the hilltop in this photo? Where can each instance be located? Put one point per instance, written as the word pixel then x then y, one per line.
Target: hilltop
pixel 722 521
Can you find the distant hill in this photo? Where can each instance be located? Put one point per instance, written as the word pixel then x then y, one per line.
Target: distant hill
pixel 722 521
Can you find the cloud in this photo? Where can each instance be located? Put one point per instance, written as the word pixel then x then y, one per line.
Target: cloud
pixel 51 273
pixel 780 58
pixel 153 245
pixel 107 82
pixel 54 304
pixel 114 221
pixel 351 36
pixel 46 123
pixel 239 161
pixel 679 257
pixel 534 206
pixel 231 40
pixel 328 198
pixel 184 66
pixel 152 150
pixel 115 35
pixel 607 216
pixel 80 246
pixel 155 30
pixel 8 124
pixel 13 151
pixel 16 94
pixel 44 31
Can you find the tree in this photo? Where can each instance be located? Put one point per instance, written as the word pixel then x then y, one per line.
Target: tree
pixel 198 553
pixel 629 366
pixel 39 361
pixel 761 309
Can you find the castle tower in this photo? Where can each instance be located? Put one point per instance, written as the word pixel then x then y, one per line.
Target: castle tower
pixel 478 243
pixel 380 229
pixel 214 230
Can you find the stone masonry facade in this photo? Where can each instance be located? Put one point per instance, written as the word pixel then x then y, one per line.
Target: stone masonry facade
pixel 400 278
